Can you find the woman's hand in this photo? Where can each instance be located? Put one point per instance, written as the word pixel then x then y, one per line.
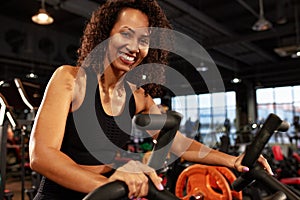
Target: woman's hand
pixel 261 160
pixel 135 175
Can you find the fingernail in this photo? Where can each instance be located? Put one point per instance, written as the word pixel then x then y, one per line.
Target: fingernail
pixel 272 173
pixel 161 187
pixel 245 169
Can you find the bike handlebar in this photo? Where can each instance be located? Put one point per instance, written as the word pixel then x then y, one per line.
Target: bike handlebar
pixel 254 150
pixel 169 124
pixel 165 121
pixel 261 138
pixel 118 189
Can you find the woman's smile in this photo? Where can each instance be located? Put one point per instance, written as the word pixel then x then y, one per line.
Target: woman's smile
pixel 126 58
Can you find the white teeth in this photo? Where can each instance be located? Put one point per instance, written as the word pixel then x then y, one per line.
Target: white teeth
pixel 126 57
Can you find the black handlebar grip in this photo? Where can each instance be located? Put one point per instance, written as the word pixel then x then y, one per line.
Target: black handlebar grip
pixel 254 150
pixel 157 121
pixel 284 126
pixel 111 191
pixel 119 189
pixel 241 182
pixel 261 138
pixel 156 194
pixel 169 123
pixel 165 140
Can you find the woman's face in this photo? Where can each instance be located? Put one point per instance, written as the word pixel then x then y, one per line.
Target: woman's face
pixel 129 40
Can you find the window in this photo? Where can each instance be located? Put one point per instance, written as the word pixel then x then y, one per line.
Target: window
pixel 210 110
pixel 283 101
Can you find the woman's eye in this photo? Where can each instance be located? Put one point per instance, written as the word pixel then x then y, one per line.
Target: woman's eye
pixel 126 34
pixel 144 41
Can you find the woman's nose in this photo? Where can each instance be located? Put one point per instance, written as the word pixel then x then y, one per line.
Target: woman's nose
pixel 133 46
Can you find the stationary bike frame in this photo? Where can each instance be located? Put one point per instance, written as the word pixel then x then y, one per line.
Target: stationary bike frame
pixel 118 189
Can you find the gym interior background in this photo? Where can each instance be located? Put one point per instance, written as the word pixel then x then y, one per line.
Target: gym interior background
pixel 258 61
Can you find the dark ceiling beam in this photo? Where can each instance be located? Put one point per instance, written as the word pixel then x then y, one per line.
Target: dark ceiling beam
pixel 247 7
pixel 274 33
pixel 27 63
pixel 274 70
pixel 78 7
pixel 224 61
pixel 181 5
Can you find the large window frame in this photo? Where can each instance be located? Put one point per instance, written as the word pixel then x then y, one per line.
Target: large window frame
pixel 210 109
pixel 282 101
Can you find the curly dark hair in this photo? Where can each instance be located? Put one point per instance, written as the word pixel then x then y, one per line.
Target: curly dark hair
pixel 100 25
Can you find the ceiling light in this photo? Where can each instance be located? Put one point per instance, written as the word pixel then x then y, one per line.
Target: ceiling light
pixel 4 84
pixel 296 55
pixel 31 75
pixel 236 80
pixel 202 67
pixel 262 24
pixel 42 17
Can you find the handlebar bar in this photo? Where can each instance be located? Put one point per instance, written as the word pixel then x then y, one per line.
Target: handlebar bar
pixel 169 124
pixel 252 153
pixel 118 189
pixel 261 138
pixel 157 121
pixel 254 150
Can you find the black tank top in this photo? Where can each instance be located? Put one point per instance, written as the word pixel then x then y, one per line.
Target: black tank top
pixel 74 147
pixel 72 144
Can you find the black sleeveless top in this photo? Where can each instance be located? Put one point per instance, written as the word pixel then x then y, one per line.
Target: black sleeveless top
pixel 72 144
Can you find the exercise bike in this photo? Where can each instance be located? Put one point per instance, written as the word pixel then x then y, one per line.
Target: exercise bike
pixel 118 189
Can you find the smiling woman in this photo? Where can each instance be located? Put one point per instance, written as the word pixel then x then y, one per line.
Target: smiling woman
pixel 123 26
pixel 117 37
pixel 129 40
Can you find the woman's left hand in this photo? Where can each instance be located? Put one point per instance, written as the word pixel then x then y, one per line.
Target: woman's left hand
pixel 261 160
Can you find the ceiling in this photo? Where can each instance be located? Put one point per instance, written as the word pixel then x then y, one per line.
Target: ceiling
pixel 223 28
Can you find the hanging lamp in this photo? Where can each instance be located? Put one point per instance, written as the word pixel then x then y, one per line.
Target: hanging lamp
pixel 42 17
pixel 262 24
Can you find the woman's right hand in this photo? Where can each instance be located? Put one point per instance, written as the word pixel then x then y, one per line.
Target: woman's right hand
pixel 135 174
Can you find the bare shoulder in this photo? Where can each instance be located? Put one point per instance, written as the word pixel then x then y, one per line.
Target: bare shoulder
pixel 66 73
pixel 68 82
pixel 65 77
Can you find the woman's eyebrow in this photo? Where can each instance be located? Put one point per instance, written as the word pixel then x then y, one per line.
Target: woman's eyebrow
pixel 146 34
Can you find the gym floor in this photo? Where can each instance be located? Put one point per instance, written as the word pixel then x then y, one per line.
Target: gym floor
pixel 14 184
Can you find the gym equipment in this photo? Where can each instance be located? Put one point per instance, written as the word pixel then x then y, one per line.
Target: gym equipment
pixel 25 126
pixel 195 181
pixel 35 180
pixel 20 126
pixel 4 113
pixel 169 124
pixel 252 153
pixel 209 182
pixel 287 168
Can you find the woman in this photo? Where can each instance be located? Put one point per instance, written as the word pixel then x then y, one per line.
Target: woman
pixel 56 150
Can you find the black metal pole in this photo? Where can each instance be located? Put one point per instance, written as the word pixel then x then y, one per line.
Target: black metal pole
pixel 3 141
pixel 23 129
pixel 272 183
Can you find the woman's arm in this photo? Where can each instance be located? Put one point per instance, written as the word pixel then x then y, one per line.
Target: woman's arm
pixel 48 132
pixel 197 152
pixel 194 151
